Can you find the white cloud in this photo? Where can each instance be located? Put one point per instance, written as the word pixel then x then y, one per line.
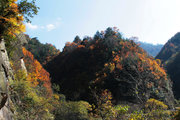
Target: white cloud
pixel 50 27
pixel 30 26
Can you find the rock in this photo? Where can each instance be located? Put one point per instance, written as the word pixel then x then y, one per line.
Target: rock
pixel 5 76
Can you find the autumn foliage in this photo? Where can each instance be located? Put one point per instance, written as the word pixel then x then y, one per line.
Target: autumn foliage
pixel 11 20
pixel 109 61
pixel 37 75
pixel 12 15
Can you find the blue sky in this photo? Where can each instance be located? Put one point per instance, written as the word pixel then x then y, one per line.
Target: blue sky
pixel 59 21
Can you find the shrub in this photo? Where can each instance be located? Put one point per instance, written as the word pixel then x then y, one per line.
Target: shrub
pixel 72 111
pixel 104 107
pixel 156 110
pixel 177 115
pixel 137 115
pixel 121 111
pixel 29 104
pixel 153 104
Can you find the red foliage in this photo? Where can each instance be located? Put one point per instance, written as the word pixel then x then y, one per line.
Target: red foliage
pixel 36 73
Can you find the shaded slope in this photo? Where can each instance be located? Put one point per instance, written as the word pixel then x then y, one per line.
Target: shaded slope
pixel 170 55
pixel 173 69
pixel 170 48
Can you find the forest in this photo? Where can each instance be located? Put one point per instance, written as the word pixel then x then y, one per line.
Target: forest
pixel 103 77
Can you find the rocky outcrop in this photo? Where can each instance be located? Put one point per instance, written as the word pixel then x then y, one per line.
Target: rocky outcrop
pixel 18 55
pixel 5 76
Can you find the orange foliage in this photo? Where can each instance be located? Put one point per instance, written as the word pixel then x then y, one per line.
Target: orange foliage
pixel 91 47
pixel 72 45
pixel 116 58
pixel 144 62
pixel 36 73
pixel 153 66
pixel 68 44
pixel 14 20
pixel 80 46
pixel 150 85
pixel 119 66
pixel 106 96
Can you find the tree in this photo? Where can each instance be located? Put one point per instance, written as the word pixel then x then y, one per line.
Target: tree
pixel 77 39
pixel 28 9
pixel 12 15
pixel 104 107
pixel 98 36
pixel 112 63
pixel 42 52
pixel 37 75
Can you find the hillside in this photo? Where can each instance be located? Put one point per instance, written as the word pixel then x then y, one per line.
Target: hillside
pixel 173 69
pixel 42 52
pixel 107 61
pixel 105 77
pixel 170 56
pixel 170 48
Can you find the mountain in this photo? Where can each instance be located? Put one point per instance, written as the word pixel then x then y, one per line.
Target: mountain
pixel 151 49
pixel 109 62
pixel 107 70
pixel 170 48
pixel 173 69
pixel 170 56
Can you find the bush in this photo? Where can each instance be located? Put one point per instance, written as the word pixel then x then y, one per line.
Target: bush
pixel 153 104
pixel 121 111
pixel 156 110
pixel 72 111
pixel 104 107
pixel 137 115
pixel 29 104
pixel 177 116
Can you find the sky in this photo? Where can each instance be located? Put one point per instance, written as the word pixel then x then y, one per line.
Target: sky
pixel 59 21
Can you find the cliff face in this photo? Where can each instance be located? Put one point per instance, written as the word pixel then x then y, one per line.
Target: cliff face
pixel 17 56
pixel 5 76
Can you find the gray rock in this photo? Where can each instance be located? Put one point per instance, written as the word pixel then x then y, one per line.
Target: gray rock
pixel 5 75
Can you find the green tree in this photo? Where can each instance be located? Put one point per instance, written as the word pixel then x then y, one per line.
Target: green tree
pixel 77 39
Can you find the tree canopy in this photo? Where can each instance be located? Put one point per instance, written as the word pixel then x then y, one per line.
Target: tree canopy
pixel 109 61
pixel 12 15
